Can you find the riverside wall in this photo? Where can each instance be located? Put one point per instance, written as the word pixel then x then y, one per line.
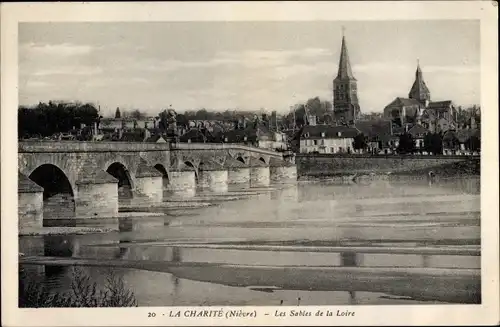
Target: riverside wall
pixel 324 165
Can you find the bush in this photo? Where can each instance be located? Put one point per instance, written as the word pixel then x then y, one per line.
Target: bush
pixel 83 292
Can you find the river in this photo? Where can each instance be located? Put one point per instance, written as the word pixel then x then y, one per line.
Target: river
pixel 401 241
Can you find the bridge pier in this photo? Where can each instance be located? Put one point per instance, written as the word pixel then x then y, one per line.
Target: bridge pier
pixel 96 196
pixel 212 177
pixel 182 182
pixel 282 171
pixel 214 180
pixel 238 174
pixel 30 202
pixel 259 173
pixel 148 183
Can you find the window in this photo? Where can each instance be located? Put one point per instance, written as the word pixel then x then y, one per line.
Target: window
pixel 322 134
pixel 225 139
pixel 339 134
pixel 315 142
pixel 322 142
pixel 189 140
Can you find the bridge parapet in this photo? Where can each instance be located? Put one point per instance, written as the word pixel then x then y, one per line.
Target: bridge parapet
pixel 77 146
pixel 223 146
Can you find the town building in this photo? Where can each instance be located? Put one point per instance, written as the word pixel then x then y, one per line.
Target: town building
pixel 327 139
pixel 378 134
pixel 346 107
pixel 418 133
pixel 259 136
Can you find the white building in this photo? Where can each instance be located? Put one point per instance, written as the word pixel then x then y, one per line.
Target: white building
pixel 327 139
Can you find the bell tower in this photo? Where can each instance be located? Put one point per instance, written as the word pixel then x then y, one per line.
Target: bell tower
pixel 419 90
pixel 345 90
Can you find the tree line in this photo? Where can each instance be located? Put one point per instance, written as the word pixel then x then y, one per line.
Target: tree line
pixel 432 143
pixel 46 119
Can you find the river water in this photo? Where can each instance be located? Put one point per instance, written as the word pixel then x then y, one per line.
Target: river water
pixel 309 243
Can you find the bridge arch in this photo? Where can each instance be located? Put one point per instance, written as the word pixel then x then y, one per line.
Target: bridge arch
pixel 191 165
pixel 241 159
pixel 165 178
pixel 58 193
pixel 125 182
pixel 263 160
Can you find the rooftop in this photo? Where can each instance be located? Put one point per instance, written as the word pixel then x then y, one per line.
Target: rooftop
pixel 328 131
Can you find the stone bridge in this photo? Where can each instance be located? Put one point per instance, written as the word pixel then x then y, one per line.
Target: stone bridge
pixel 92 177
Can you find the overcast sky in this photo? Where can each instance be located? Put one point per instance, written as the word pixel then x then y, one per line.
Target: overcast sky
pixel 247 65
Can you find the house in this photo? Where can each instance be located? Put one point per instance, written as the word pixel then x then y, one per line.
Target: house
pixel 128 123
pixel 327 139
pixel 418 133
pixel 469 140
pixel 378 133
pixel 193 135
pixel 259 136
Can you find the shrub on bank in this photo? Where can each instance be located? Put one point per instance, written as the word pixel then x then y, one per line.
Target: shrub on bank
pixel 82 293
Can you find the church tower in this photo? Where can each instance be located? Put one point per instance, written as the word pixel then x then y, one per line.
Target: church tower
pixel 345 94
pixel 419 90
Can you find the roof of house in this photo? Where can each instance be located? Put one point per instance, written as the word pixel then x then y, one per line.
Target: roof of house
pixel 154 138
pixel 439 104
pixel 316 132
pixel 26 185
pixel 238 135
pixel 135 136
pixel 397 130
pixel 194 134
pixel 418 130
pixel 403 102
pixel 375 129
pixel 464 134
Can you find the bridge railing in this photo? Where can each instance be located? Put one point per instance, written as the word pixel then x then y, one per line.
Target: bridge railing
pixel 78 146
pixel 222 146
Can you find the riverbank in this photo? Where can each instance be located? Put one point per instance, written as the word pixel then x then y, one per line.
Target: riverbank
pixel 340 166
pixel 53 231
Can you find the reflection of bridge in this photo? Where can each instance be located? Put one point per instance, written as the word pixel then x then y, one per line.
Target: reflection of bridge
pixel 90 177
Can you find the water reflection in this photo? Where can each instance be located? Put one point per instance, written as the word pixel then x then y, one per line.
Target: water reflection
pixel 382 213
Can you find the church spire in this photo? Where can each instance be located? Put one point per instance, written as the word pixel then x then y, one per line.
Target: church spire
pixel 419 90
pixel 345 71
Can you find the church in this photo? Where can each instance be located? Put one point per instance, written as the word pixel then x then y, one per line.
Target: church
pixel 437 116
pixel 346 108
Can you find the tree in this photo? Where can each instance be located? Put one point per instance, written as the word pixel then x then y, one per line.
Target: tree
pixel 473 143
pixel 359 142
pixel 433 143
pixel 406 143
pixel 117 113
pixel 46 119
pixel 182 120
pixel 137 114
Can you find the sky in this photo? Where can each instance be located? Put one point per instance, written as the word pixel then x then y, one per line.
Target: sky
pixel 243 65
